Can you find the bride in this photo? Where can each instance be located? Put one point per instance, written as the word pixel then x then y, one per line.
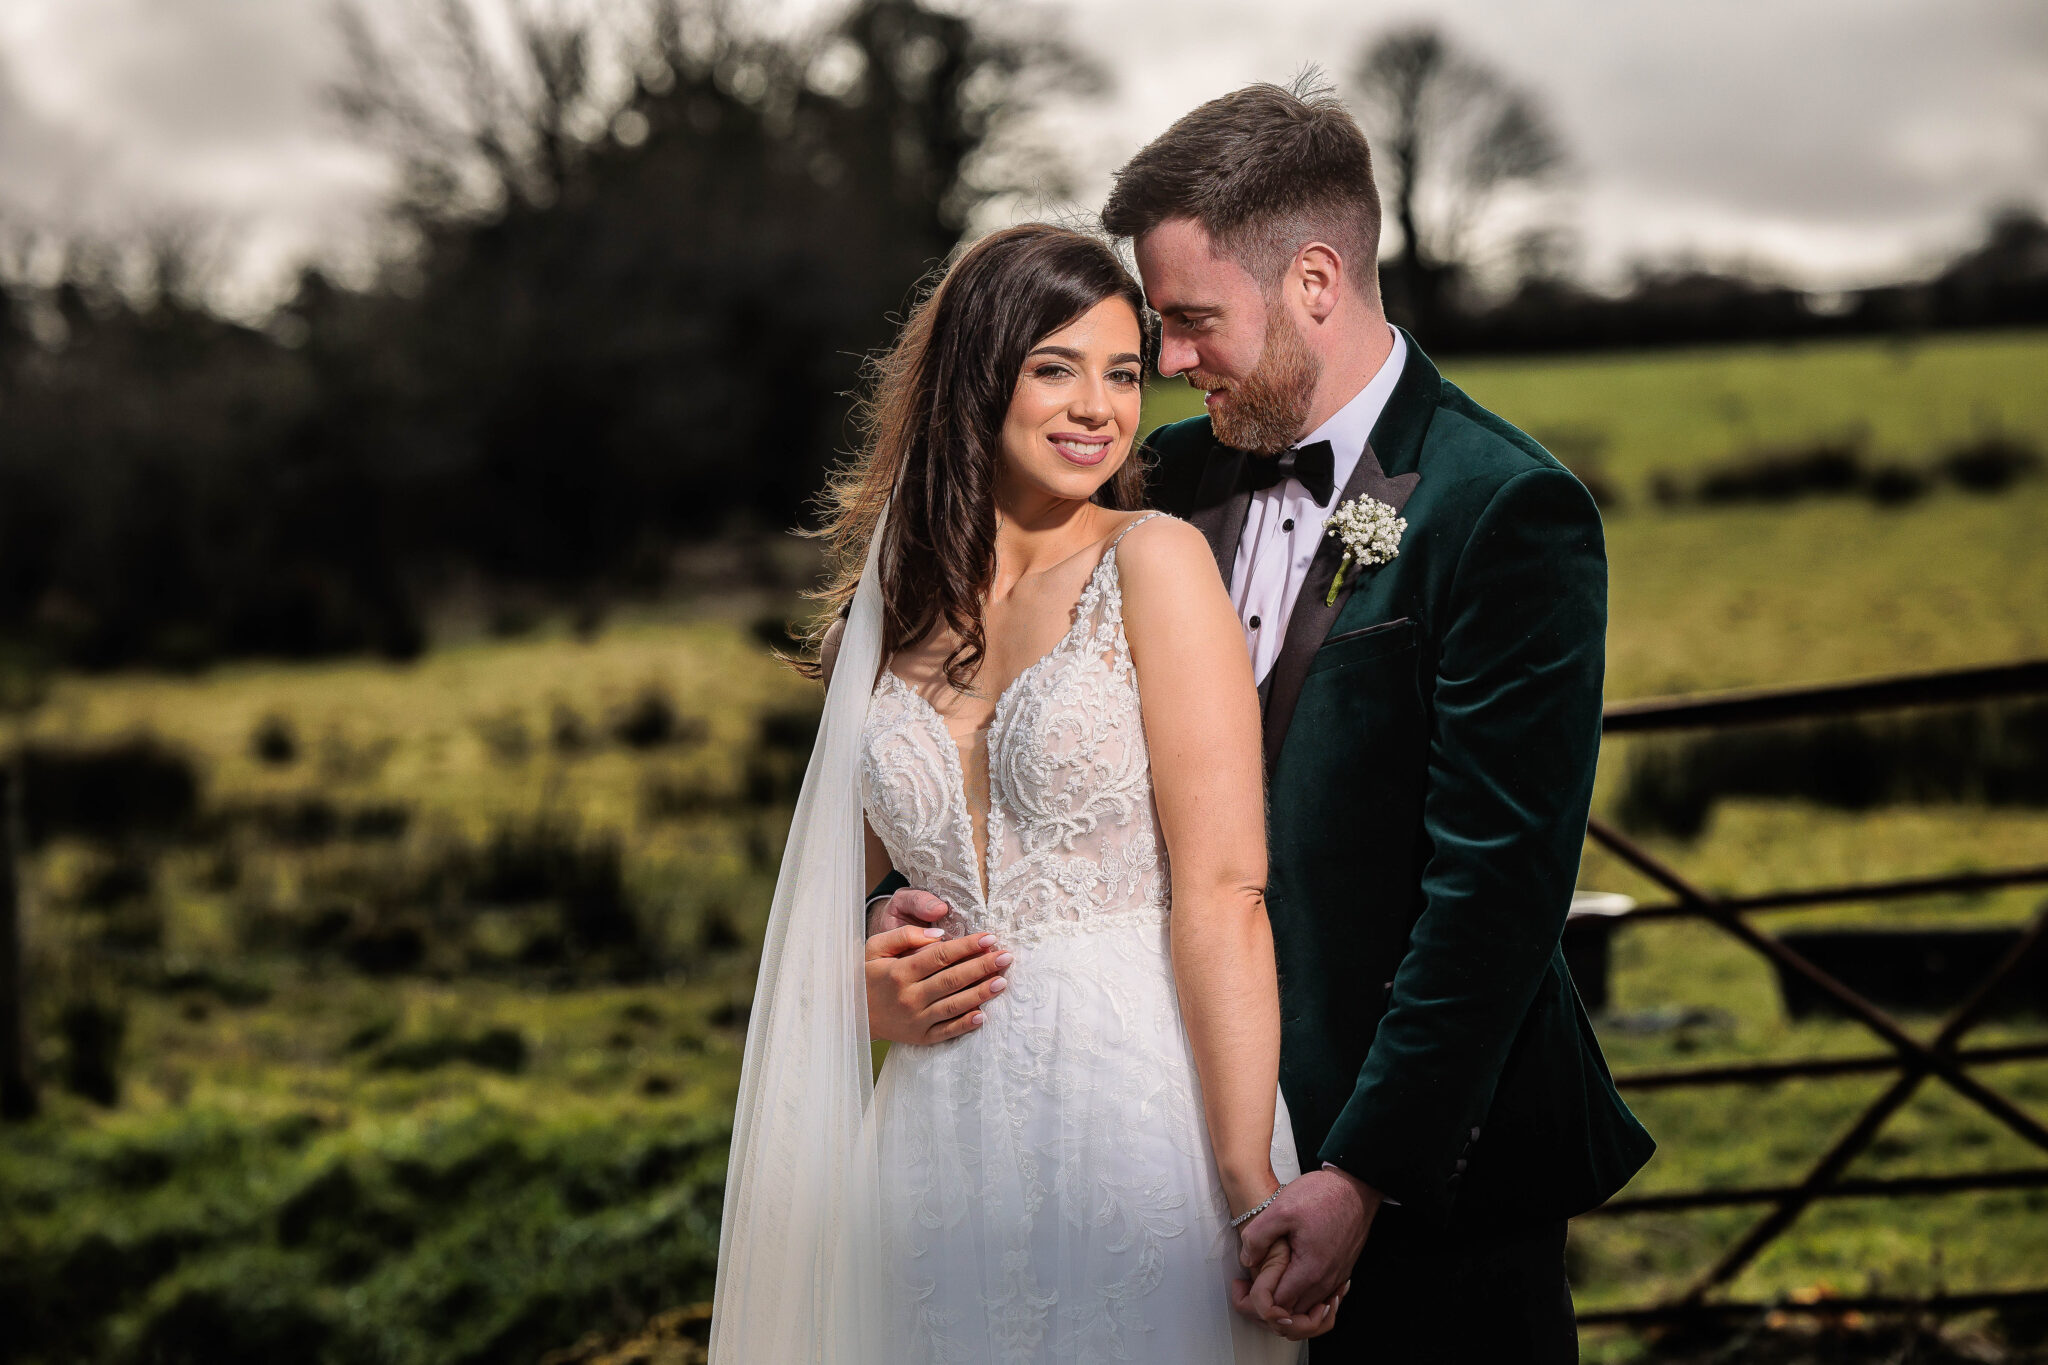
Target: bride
pixel 1039 707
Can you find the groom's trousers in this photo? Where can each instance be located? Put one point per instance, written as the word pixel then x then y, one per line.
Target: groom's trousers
pixel 1462 1294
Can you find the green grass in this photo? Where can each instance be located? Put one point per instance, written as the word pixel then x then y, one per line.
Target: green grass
pixel 207 1207
pixel 272 1186
pixel 1836 588
pixel 1637 413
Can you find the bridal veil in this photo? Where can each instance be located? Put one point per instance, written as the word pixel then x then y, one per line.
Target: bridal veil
pixel 799 1264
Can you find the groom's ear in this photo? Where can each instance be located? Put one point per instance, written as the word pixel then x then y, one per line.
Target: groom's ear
pixel 1316 278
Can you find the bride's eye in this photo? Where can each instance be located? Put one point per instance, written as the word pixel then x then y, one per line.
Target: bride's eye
pixel 1050 371
pixel 1123 376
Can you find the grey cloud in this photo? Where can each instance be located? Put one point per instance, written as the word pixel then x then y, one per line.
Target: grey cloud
pixel 1862 128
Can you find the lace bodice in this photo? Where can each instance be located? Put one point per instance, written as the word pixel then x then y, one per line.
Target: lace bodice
pixel 1073 838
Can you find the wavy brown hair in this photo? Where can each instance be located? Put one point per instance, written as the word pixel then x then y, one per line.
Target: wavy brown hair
pixel 931 424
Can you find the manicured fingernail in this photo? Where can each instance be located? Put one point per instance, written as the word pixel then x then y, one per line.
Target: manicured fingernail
pixel 1287 1322
pixel 997 986
pixel 1005 959
pixel 1345 1290
pixel 978 1018
pixel 935 933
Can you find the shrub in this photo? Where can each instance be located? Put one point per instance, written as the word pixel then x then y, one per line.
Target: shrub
pixel 567 730
pixel 308 820
pixel 111 881
pixel 675 796
pixel 1996 754
pixel 133 787
pixel 1991 465
pixel 274 741
pixel 1894 485
pixel 495 1049
pixel 650 720
pixel 92 1032
pixel 1780 476
pixel 548 859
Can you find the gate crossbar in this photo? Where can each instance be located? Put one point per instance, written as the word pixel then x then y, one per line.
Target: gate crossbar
pixel 1942 1057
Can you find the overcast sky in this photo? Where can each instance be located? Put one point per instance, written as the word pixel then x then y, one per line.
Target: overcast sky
pixel 1840 141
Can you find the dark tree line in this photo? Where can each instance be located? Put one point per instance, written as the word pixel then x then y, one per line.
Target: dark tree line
pixel 644 260
pixel 2001 282
pixel 629 317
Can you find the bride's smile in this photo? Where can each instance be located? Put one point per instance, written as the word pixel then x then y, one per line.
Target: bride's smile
pixel 1087 451
pixel 1075 409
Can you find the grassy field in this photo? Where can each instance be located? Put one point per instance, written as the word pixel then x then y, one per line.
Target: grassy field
pixel 1636 414
pixel 488 1152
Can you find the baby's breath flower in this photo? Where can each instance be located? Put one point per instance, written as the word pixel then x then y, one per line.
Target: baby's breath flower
pixel 1370 533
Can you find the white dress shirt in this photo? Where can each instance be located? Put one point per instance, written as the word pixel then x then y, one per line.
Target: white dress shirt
pixel 1284 526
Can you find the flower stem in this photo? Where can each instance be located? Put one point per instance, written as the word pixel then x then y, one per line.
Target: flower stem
pixel 1337 581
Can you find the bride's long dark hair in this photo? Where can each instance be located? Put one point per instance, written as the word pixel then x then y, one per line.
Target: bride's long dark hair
pixel 931 424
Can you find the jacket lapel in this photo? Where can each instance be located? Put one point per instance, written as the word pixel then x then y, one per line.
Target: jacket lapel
pixel 1313 615
pixel 1399 433
pixel 1221 505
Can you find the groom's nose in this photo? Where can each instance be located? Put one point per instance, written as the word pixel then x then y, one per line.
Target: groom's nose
pixel 1176 354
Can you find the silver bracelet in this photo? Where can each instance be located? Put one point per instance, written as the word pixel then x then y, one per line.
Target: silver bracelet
pixel 1257 1209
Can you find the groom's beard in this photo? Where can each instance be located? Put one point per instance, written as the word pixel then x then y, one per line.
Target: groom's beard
pixel 1264 412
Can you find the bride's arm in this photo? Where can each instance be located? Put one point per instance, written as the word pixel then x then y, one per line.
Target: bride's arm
pixel 1201 716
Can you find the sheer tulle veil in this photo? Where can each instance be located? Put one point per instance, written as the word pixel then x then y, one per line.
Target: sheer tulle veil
pixel 799 1276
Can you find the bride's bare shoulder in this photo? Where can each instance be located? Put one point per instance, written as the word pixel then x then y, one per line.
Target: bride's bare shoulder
pixel 1162 550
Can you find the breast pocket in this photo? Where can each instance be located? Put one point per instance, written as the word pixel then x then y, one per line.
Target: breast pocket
pixel 1367 642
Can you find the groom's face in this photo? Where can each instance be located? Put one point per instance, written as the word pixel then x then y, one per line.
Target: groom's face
pixel 1232 339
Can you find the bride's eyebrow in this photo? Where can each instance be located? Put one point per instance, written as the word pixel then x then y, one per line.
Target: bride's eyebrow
pixel 1069 353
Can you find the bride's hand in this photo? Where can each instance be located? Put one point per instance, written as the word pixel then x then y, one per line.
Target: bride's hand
pixel 1254 1299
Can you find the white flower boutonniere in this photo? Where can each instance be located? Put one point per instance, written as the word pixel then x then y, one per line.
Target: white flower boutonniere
pixel 1370 533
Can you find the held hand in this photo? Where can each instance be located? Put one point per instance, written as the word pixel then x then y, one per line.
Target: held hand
pixel 1324 1216
pixel 909 908
pixel 924 989
pixel 1254 1300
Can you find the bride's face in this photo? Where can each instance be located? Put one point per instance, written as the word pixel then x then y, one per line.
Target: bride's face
pixel 1075 408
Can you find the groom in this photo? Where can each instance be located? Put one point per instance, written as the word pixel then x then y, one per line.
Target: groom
pixel 1432 720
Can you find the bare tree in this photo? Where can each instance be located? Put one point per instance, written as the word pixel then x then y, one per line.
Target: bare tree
pixel 490 104
pixel 475 123
pixel 1450 134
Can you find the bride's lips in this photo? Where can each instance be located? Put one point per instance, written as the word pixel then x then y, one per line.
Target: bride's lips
pixel 1076 448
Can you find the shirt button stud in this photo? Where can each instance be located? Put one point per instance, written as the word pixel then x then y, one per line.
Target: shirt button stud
pixel 1255 623
pixel 1287 525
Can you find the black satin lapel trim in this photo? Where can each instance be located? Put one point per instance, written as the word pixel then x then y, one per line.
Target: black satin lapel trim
pixel 1311 619
pixel 1221 507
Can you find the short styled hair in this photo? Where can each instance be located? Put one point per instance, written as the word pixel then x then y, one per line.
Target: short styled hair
pixel 1264 170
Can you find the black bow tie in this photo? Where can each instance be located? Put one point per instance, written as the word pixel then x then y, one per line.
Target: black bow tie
pixel 1312 466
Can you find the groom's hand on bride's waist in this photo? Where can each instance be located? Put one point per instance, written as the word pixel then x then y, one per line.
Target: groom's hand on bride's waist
pixel 923 989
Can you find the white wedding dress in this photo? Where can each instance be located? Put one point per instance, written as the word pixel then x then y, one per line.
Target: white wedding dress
pixel 1048 1193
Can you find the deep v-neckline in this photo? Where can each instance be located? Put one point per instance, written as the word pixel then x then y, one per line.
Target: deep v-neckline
pixel 983 857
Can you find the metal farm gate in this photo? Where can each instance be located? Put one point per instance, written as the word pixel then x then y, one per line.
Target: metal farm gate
pixel 1941 1057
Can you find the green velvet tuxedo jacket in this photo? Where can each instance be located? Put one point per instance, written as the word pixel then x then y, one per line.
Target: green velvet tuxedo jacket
pixel 1430 745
